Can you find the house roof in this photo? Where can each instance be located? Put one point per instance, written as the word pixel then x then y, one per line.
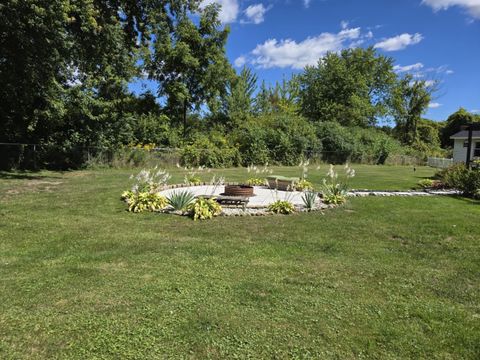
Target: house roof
pixel 464 135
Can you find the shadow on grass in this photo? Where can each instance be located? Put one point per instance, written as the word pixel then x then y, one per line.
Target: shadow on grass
pixel 25 176
pixel 466 200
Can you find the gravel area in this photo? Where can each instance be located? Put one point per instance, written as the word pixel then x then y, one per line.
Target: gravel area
pixel 263 196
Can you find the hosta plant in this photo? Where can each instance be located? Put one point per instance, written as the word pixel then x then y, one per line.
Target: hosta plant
pixel 426 183
pixel 180 200
pixel 146 201
pixel 203 209
pixel 303 185
pixel 192 179
pixel 281 207
pixel 256 182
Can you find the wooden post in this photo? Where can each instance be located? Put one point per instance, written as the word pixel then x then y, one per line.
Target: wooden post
pixel 469 147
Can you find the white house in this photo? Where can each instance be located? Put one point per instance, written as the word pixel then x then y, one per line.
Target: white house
pixel 461 144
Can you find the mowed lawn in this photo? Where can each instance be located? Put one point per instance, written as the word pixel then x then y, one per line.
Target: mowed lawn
pixel 384 278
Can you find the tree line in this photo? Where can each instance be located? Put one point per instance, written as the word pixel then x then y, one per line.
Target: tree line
pixel 65 67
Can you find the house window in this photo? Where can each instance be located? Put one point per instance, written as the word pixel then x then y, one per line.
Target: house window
pixel 476 151
pixel 465 143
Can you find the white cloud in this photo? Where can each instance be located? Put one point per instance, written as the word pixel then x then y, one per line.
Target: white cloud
pixel 475 111
pixel 434 105
pixel 408 68
pixel 297 55
pixel 306 3
pixel 430 83
pixel 471 6
pixel 256 13
pixel 344 24
pixel 229 9
pixel 240 61
pixel 399 42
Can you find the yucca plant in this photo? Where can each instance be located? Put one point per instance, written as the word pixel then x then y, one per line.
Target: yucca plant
pixel 335 190
pixel 309 199
pixel 179 200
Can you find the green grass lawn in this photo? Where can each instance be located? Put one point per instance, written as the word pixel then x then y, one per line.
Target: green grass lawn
pixel 382 278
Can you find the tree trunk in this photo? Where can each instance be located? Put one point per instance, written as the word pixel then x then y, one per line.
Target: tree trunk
pixel 184 119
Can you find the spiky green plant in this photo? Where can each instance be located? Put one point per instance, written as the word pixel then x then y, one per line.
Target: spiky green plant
pixel 180 200
pixel 309 199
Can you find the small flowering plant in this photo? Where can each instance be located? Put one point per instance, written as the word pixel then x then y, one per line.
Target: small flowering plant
pixel 335 189
pixel 150 180
pixel 144 193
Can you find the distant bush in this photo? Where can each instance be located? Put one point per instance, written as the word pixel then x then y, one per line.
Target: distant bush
pixel 276 138
pixel 366 145
pixel 212 153
pixel 460 177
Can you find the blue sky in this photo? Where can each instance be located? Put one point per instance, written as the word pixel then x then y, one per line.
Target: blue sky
pixel 433 39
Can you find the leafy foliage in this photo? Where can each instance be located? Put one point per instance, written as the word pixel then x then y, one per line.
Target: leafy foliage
pixel 454 123
pixel 426 183
pixel 256 182
pixel 145 201
pixel 180 200
pixel 204 209
pixel 276 138
pixel 309 199
pixel 335 189
pixel 281 207
pixel 303 185
pixel 462 178
pixel 351 88
pixel 410 100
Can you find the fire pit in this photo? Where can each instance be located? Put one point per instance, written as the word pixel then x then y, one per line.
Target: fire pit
pixel 238 190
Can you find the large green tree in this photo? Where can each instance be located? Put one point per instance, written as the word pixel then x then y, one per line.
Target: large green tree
pixel 454 124
pixel 239 101
pixel 46 46
pixel 409 102
pixel 187 58
pixel 351 87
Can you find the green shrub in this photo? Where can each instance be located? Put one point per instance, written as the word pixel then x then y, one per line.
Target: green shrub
pixel 203 209
pixel 303 185
pixel 426 183
pixel 256 182
pixel 452 176
pixel 192 179
pixel 463 179
pixel 180 200
pixel 146 201
pixel 212 153
pixel 281 207
pixel 276 138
